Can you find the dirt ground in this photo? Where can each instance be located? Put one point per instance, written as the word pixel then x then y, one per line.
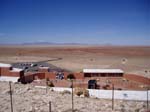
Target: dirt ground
pixel 132 59
pixel 27 98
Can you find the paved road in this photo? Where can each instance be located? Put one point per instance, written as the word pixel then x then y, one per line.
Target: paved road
pixel 33 66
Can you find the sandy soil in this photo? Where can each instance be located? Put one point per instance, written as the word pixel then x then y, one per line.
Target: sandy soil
pixel 75 58
pixel 27 98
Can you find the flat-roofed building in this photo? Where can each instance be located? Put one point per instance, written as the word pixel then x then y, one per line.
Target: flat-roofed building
pixel 4 69
pixel 8 73
pixel 103 72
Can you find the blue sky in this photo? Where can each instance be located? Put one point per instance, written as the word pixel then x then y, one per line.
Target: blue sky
pixel 118 22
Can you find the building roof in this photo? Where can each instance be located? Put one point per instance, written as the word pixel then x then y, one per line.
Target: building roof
pixel 44 67
pixel 5 65
pixel 6 78
pixel 103 71
pixel 16 70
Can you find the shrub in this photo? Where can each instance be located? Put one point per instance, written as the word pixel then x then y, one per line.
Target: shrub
pixel 81 91
pixel 86 93
pixel 65 92
pixel 78 91
pixel 50 84
pixel 70 76
pixel 106 87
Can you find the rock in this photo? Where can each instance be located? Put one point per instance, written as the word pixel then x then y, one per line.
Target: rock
pixel 82 96
pixel 76 96
pixel 31 109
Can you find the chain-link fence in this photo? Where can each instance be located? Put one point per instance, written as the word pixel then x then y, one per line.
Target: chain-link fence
pixel 27 98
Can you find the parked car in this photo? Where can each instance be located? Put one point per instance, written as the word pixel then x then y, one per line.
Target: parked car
pixel 92 84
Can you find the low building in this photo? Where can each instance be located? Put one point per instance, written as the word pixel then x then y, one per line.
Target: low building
pixel 103 73
pixel 43 69
pixel 8 73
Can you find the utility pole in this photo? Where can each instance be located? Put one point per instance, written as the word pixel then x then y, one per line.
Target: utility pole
pixel 11 103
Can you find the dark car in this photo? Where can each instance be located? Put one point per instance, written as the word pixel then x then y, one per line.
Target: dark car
pixel 92 84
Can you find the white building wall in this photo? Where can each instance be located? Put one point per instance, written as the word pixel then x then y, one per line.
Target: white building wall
pixel 107 94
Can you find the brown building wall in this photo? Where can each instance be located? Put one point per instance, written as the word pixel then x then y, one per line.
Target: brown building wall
pixel 76 75
pixel 5 71
pixel 67 83
pixel 39 75
pixel 79 75
pixel 50 75
pixel 0 71
pixel 137 78
pixel 14 74
pixel 27 78
pixel 103 74
pixel 21 73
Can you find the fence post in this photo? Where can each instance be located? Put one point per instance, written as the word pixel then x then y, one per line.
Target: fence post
pixel 72 96
pixel 147 100
pixel 49 106
pixel 46 85
pixel 11 103
pixel 112 96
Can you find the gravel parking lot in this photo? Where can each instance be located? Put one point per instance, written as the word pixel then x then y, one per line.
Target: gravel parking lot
pixel 33 66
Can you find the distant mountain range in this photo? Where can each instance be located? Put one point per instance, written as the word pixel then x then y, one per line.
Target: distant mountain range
pixel 43 43
pixel 51 43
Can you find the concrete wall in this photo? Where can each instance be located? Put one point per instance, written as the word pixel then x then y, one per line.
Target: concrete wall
pixel 124 95
pixel 107 94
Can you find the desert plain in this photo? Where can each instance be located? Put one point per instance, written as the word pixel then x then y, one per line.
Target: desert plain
pixel 131 59
pixel 27 98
